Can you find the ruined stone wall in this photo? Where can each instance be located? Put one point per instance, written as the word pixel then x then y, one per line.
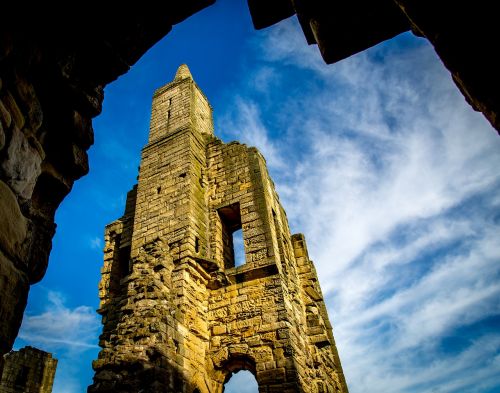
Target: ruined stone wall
pixel 179 311
pixel 248 317
pixel 28 370
pixel 323 367
pixel 266 314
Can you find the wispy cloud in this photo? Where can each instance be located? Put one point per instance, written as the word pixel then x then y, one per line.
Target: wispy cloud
pixel 393 179
pixel 69 333
pixel 245 123
pixel 60 326
pixel 96 243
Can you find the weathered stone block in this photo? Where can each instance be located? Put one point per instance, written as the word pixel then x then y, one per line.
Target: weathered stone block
pixel 14 289
pixel 22 164
pixel 2 136
pixel 28 101
pixel 5 117
pixel 14 111
pixel 13 225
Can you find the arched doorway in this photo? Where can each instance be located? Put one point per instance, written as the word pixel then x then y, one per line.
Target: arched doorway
pixel 240 375
pixel 241 381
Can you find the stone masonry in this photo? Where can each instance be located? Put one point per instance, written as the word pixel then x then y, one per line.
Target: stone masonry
pixel 179 314
pixel 28 370
pixel 52 84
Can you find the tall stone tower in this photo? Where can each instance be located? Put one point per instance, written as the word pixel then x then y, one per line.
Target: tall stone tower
pixel 180 314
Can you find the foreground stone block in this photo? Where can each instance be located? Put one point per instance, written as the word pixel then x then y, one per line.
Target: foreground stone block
pixel 28 370
pixel 14 290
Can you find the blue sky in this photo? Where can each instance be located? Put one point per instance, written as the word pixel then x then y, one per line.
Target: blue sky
pixel 378 160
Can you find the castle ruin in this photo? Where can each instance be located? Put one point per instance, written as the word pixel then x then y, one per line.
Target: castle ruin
pixel 29 370
pixel 52 86
pixel 180 314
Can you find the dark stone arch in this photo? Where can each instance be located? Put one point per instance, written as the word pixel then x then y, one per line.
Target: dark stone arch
pixel 239 363
pixel 52 86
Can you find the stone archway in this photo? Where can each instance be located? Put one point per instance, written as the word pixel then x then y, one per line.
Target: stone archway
pixel 236 364
pixel 51 86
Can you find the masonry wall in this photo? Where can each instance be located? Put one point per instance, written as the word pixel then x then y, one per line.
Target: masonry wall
pixel 180 312
pixel 273 314
pixel 28 370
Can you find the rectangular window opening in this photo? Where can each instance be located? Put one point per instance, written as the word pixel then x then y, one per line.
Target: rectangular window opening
pixel 22 376
pixel 119 269
pixel 124 261
pixel 233 250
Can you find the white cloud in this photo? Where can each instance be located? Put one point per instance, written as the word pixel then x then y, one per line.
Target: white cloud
pixel 393 179
pixel 70 334
pixel 96 243
pixel 59 326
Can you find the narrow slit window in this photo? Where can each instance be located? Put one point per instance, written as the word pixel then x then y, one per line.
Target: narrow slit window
pixel 238 247
pixel 119 269
pixel 233 252
pixel 124 261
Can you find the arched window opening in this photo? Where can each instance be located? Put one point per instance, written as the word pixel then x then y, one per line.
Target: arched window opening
pixel 241 381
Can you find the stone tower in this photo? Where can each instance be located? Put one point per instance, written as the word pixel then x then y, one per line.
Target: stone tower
pixel 180 314
pixel 28 370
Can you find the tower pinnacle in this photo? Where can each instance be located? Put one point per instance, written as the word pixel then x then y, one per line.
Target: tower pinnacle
pixel 182 73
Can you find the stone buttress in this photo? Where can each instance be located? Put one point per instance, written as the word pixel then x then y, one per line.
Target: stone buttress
pixel 180 312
